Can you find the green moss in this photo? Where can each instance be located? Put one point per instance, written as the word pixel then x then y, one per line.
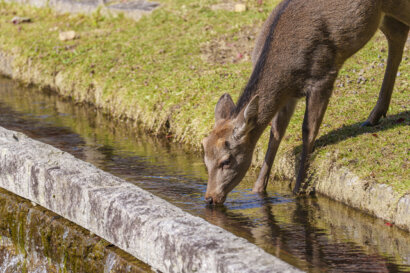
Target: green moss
pixel 55 239
pixel 21 234
pixel 24 267
pixel 154 70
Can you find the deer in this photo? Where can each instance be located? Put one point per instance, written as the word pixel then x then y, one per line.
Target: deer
pixel 298 53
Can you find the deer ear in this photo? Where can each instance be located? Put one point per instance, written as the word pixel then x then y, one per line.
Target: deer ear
pixel 224 107
pixel 250 116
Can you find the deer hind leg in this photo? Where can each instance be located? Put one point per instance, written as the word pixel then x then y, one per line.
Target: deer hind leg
pixel 279 124
pixel 396 34
pixel 317 100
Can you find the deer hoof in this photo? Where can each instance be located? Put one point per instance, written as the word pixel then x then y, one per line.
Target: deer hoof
pixel 299 192
pixel 258 190
pixel 366 124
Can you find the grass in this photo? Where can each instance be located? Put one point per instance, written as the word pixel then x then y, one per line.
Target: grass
pixel 160 70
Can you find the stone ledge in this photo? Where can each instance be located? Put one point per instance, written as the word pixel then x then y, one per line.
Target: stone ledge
pixel 131 9
pixel 136 221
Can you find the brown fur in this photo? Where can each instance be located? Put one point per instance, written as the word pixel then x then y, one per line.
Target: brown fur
pixel 299 52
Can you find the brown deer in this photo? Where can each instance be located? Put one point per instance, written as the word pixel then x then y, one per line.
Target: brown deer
pixel 302 46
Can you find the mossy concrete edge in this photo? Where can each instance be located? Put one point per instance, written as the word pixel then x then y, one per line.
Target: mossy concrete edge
pixel 334 181
pixel 143 225
pixel 340 184
pixel 40 240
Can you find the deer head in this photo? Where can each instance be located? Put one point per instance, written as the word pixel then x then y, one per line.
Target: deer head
pixel 228 148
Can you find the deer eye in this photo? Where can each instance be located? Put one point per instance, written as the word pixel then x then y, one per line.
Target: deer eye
pixel 225 163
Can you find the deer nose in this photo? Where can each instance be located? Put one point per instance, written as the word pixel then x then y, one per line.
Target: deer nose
pixel 209 200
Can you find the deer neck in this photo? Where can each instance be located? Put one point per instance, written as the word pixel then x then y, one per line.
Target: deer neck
pixel 270 101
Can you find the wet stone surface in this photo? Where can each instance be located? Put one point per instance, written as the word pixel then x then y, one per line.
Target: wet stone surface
pixel 314 234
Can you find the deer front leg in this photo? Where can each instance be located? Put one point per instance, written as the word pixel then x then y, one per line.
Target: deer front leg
pixel 279 124
pixel 396 34
pixel 316 103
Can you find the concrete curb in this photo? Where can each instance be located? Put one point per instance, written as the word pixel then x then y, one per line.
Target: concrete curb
pixel 131 9
pixel 136 221
pixel 6 64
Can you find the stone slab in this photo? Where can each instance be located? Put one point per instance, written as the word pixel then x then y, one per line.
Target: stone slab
pixel 133 9
pixel 149 228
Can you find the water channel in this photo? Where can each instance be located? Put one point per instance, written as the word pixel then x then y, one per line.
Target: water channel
pixel 315 234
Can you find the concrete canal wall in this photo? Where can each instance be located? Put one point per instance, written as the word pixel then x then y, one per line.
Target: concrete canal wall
pixel 34 239
pixel 136 221
pixel 342 185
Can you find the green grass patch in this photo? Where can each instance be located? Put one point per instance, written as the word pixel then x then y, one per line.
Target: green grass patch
pixel 159 71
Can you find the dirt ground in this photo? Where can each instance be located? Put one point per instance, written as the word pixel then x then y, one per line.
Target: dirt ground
pixel 232 48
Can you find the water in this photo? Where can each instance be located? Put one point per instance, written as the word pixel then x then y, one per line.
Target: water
pixel 314 234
